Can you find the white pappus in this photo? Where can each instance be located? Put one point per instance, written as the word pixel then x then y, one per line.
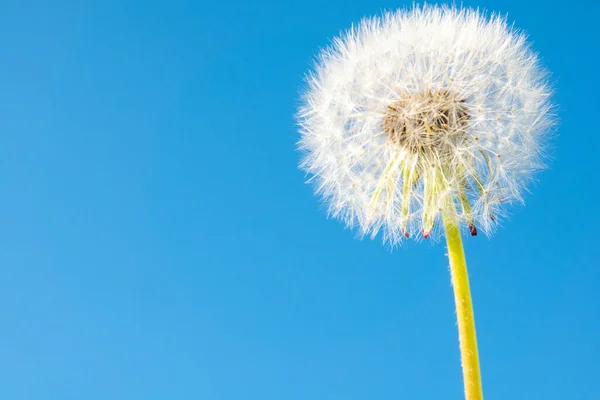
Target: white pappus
pixel 424 111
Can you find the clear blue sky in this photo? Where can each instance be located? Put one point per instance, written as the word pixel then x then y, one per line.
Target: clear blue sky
pixel 157 240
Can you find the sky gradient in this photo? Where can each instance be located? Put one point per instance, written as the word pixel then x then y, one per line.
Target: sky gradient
pixel 157 240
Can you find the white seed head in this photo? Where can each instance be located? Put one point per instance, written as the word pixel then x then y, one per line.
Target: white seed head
pixel 413 111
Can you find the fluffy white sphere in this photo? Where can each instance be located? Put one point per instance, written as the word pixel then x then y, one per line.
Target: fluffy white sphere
pixel 422 112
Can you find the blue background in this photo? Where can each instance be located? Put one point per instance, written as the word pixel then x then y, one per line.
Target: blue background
pixel 157 240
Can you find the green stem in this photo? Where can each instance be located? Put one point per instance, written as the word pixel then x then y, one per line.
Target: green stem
pixel 464 308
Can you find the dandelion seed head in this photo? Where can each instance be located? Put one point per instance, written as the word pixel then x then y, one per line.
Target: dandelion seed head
pixel 410 111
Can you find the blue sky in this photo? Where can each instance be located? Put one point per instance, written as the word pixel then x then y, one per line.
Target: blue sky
pixel 157 240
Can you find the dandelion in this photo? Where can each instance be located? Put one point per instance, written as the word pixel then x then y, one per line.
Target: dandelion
pixel 421 119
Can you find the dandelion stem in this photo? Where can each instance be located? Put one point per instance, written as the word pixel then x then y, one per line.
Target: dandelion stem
pixel 464 308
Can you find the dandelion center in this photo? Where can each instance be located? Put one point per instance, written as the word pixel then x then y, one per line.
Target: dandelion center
pixel 433 121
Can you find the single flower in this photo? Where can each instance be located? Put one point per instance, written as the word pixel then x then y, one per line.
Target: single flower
pixel 416 109
pixel 426 118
